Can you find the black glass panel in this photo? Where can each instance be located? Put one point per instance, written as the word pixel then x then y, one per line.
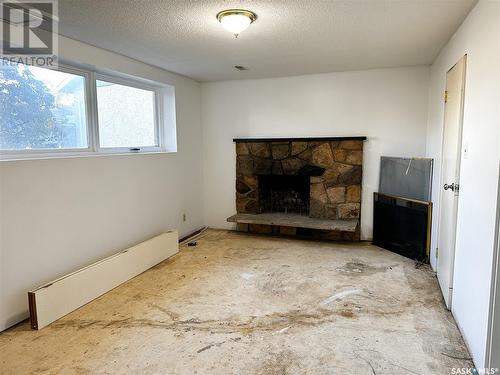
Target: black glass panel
pixel 401 226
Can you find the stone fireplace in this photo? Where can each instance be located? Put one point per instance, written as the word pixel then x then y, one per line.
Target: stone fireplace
pixel 302 186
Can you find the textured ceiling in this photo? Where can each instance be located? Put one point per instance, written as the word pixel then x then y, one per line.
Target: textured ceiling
pixel 290 37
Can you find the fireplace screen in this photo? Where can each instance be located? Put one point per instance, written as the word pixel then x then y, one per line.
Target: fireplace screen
pixel 284 194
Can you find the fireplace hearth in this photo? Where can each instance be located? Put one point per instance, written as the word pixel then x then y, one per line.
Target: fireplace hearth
pixel 302 186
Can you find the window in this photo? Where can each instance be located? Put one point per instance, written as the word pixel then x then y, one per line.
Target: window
pixel 42 109
pixel 79 112
pixel 126 116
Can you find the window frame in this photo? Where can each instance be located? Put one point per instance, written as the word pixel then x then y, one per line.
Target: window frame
pixel 52 151
pixel 92 121
pixel 157 115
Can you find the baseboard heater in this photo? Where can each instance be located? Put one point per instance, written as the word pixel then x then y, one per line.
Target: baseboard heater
pixel 66 294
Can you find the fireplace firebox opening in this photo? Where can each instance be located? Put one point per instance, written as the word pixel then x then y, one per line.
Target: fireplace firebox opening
pixel 284 194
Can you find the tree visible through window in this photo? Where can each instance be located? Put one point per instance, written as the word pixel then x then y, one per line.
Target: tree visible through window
pixel 41 109
pixel 72 111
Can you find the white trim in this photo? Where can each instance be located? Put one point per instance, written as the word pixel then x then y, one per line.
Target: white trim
pixel 93 116
pixel 92 120
pixel 76 154
pixel 159 146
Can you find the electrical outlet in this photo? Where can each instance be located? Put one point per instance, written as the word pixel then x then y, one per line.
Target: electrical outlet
pixel 183 217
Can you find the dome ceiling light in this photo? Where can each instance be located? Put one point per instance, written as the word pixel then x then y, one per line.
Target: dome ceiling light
pixel 236 20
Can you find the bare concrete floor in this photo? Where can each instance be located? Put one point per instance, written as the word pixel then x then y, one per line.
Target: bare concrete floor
pixel 245 304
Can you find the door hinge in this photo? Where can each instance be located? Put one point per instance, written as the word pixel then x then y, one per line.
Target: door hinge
pixel 446 96
pixel 437 252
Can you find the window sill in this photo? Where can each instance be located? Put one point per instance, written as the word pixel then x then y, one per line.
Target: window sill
pixel 4 157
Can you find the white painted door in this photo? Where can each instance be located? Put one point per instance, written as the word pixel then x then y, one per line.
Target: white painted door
pixel 450 172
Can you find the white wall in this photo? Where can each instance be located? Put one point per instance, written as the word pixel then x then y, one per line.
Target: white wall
pixel 478 37
pixel 61 214
pixel 389 106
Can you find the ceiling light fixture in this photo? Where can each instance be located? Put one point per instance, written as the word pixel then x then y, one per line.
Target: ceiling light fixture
pixel 236 20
